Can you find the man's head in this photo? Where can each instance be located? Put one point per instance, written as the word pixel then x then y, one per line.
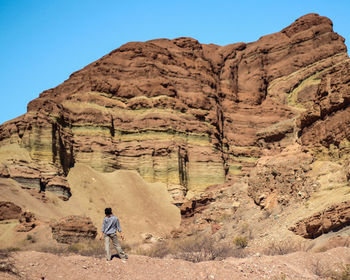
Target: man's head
pixel 108 211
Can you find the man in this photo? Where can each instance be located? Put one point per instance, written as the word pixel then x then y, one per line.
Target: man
pixel 110 226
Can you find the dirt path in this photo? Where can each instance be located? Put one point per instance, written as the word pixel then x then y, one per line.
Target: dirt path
pixel 300 265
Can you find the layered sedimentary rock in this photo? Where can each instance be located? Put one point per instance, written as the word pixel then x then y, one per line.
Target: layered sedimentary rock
pixel 187 114
pixel 333 218
pixel 9 210
pixel 73 229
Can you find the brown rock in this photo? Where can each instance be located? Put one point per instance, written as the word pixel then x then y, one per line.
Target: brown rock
pixel 73 229
pixel 9 210
pixel 333 218
pixel 60 186
pixel 27 222
pixel 281 179
pixel 188 114
pixel 328 122
pixel 195 205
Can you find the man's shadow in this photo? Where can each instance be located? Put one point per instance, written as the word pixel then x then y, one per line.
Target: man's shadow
pixel 115 256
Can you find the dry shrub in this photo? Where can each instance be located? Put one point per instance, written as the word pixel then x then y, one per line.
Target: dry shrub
pixel 282 276
pixel 31 238
pixel 246 230
pixel 335 242
pixel 240 241
pixel 339 272
pixel 344 273
pixel 319 268
pixel 9 250
pixel 84 248
pixel 57 249
pixel 195 248
pixel 6 263
pixel 284 247
pixel 93 248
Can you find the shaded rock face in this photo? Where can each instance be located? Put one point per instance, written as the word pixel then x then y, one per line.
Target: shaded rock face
pixel 9 210
pixel 187 114
pixel 73 229
pixel 333 218
pixel 189 208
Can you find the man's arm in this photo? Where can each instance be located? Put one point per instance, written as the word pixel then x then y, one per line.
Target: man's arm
pixel 103 229
pixel 119 229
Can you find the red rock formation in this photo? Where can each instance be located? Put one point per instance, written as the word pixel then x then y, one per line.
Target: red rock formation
pixel 328 122
pixel 73 229
pixel 187 114
pixel 281 179
pixel 333 218
pixel 189 208
pixel 9 210
pixel 27 222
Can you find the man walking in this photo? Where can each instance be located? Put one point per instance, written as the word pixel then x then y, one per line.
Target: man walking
pixel 110 226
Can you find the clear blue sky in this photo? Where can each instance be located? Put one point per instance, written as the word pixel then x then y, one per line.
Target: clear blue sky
pixel 43 41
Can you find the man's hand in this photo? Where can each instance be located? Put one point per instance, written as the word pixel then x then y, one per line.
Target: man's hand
pixel 101 235
pixel 122 236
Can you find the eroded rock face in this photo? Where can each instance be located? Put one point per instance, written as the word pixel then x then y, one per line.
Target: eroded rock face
pixel 73 229
pixel 281 179
pixel 188 114
pixel 9 210
pixel 27 222
pixel 189 208
pixel 333 218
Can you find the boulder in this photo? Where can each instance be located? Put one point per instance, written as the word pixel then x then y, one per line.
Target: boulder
pixel 9 210
pixel 27 222
pixel 73 229
pixel 333 218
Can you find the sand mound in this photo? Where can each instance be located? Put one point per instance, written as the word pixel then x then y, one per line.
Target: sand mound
pixel 141 207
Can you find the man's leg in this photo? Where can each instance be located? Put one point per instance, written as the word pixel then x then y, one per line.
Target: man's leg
pixel 108 252
pixel 117 246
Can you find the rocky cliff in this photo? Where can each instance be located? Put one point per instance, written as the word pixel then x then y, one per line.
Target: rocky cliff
pixel 187 114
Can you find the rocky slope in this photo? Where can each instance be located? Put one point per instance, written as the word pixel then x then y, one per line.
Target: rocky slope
pixel 261 121
pixel 34 265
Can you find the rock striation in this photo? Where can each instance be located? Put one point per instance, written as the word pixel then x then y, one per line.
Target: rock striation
pixel 73 229
pixel 187 114
pixel 333 218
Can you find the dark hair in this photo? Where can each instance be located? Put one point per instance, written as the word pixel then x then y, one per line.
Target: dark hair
pixel 108 211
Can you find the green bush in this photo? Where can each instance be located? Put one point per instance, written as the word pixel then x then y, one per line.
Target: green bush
pixel 240 241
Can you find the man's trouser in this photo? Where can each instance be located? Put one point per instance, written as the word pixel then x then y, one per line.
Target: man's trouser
pixel 116 245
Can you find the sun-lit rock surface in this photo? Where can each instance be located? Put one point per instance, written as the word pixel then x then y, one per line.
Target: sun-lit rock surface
pixel 239 135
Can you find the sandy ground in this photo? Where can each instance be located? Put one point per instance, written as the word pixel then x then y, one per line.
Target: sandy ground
pixel 141 207
pixel 300 265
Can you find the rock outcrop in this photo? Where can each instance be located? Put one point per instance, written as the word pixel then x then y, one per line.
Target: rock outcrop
pixel 333 218
pixel 27 222
pixel 9 210
pixel 282 179
pixel 184 113
pixel 73 229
